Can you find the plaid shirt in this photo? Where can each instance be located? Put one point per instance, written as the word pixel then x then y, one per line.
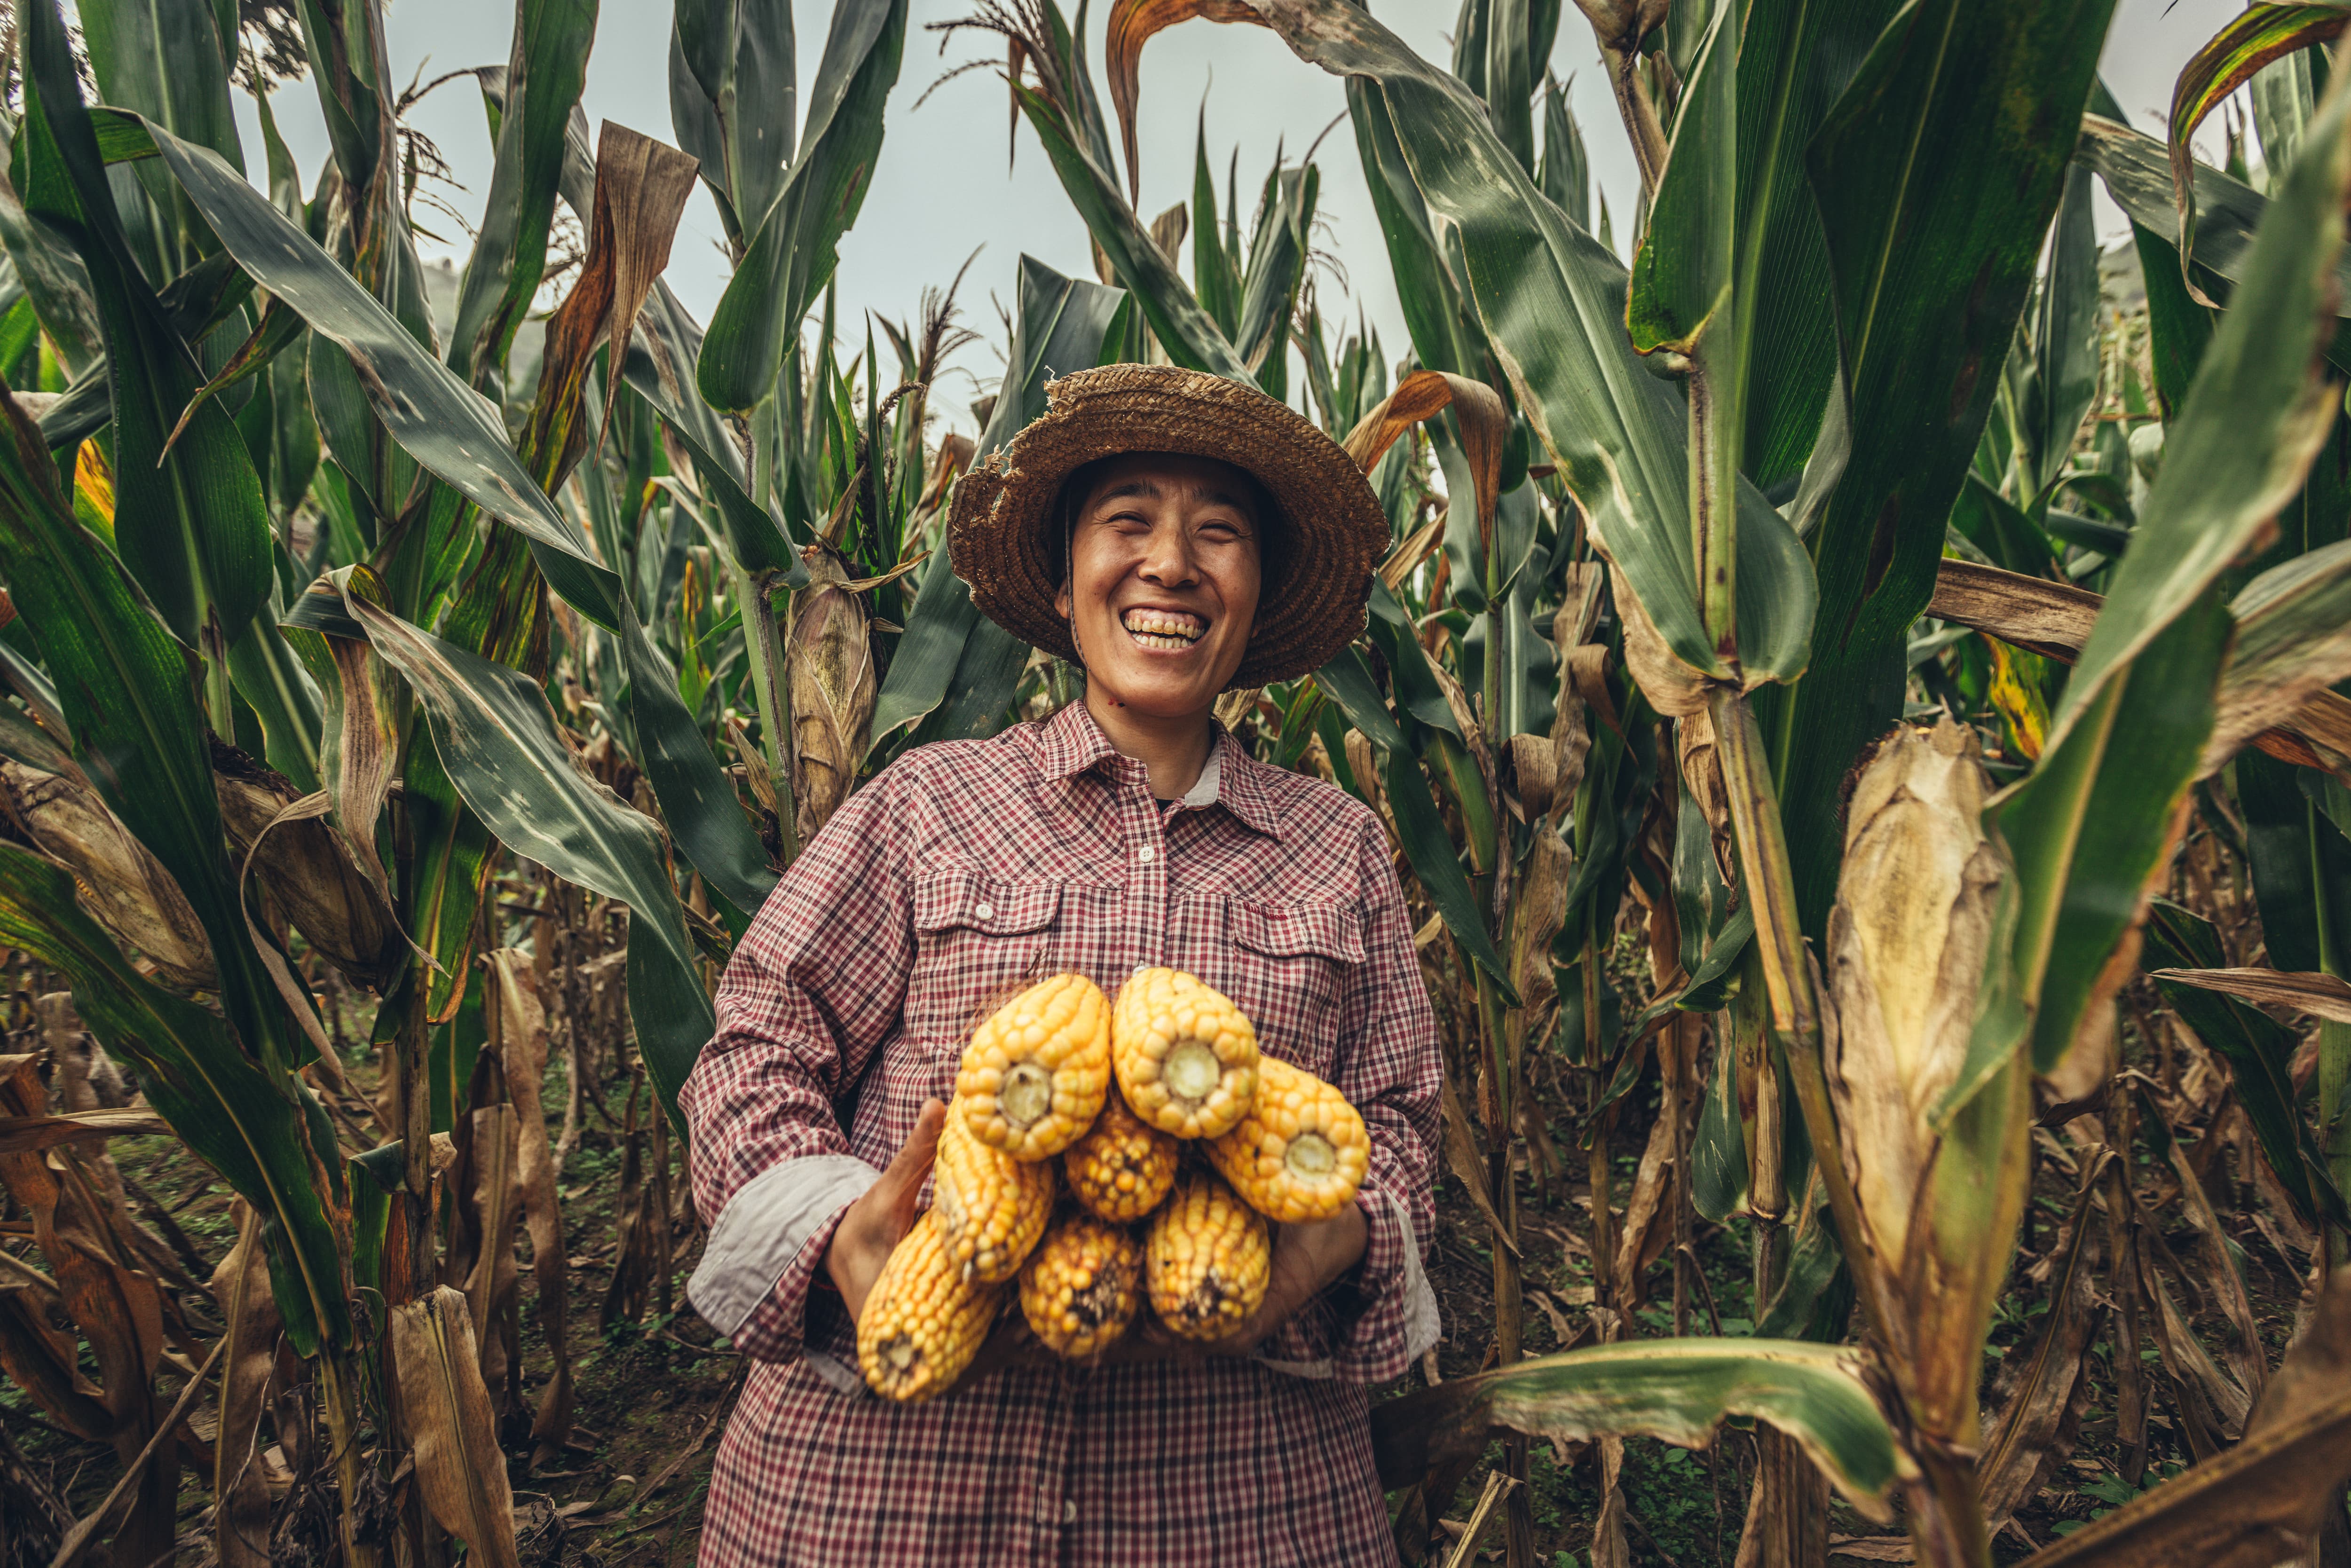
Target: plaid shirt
pixel 964 870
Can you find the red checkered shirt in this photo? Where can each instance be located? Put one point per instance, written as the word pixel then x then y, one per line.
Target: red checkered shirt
pixel 962 871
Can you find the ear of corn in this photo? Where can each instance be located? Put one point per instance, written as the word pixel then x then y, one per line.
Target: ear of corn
pixel 1034 1074
pixel 1187 1057
pixel 1921 1052
pixel 924 1320
pixel 1082 1287
pixel 991 1208
pixel 1206 1256
pixel 1301 1150
pixel 1123 1167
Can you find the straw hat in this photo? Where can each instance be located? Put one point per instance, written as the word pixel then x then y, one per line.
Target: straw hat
pixel 1003 535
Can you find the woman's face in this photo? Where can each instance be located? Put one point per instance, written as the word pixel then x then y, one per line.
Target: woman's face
pixel 1164 578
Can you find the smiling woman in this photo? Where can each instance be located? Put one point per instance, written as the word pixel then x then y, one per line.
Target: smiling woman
pixel 1166 559
pixel 1180 535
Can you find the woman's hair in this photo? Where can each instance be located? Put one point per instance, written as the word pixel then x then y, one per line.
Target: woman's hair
pixel 1265 516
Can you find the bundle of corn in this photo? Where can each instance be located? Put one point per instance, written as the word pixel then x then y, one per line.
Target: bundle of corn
pixel 1273 1142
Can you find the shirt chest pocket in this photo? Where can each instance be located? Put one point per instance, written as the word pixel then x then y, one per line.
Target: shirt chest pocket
pixel 977 940
pixel 1291 960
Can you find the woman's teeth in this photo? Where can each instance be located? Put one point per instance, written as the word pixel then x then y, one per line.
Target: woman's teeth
pixel 1163 628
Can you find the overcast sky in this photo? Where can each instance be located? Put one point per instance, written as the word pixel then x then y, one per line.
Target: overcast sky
pixel 945 184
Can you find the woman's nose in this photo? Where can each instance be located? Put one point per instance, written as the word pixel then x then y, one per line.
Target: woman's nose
pixel 1168 558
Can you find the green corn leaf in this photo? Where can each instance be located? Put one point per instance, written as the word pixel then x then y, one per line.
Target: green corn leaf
pixel 2226 212
pixel 2260 33
pixel 448 427
pixel 1276 266
pixel 953 662
pixel 2065 333
pixel 733 96
pixel 794 252
pixel 1677 1391
pixel 495 736
pixel 126 689
pixel 543 82
pixel 667 340
pixel 1794 62
pixel 264 1135
pixel 1185 330
pixel 56 282
pixel 156 56
pixel 1935 174
pixel 1552 304
pixel 2250 425
pixel 1214 278
pixel 1429 849
pixel 190 523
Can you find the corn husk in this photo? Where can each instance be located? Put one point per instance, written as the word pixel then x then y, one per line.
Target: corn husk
pixel 1922 1053
pixel 833 685
pixel 309 871
pixel 122 886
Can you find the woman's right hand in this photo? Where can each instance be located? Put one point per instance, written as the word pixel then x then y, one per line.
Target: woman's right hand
pixel 873 1224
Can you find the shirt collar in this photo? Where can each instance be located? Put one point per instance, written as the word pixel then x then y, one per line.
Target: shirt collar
pixel 1070 742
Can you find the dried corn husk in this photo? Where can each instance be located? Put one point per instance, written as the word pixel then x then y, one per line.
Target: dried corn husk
pixel 1922 1055
pixel 123 887
pixel 309 870
pixel 833 687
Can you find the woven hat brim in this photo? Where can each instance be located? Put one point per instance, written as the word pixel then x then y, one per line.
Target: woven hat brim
pixel 1002 539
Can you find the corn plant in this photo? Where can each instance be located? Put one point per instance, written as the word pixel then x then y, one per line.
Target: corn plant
pixel 326 629
pixel 1843 215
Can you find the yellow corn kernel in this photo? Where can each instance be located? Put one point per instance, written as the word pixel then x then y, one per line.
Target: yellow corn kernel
pixel 1186 1058
pixel 1034 1074
pixel 1081 1288
pixel 1301 1150
pixel 991 1208
pixel 1206 1260
pixel 924 1320
pixel 1121 1167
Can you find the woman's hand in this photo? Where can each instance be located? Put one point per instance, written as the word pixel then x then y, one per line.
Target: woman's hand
pixel 873 1224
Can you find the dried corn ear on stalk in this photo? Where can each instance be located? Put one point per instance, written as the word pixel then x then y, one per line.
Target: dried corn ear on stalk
pixel 1205 1259
pixel 1034 1074
pixel 924 1320
pixel 1187 1057
pixel 1121 1167
pixel 1082 1287
pixel 1301 1150
pixel 991 1208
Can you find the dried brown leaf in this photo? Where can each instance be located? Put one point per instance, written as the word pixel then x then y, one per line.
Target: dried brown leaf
pixel 240 1484
pixel 2260 1502
pixel 446 1410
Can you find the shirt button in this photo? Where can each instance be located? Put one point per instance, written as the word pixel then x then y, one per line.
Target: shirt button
pixel 1070 1512
pixel 1147 854
pixel 985 911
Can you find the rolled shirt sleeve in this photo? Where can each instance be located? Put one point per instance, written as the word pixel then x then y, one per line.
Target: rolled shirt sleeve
pixel 814 988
